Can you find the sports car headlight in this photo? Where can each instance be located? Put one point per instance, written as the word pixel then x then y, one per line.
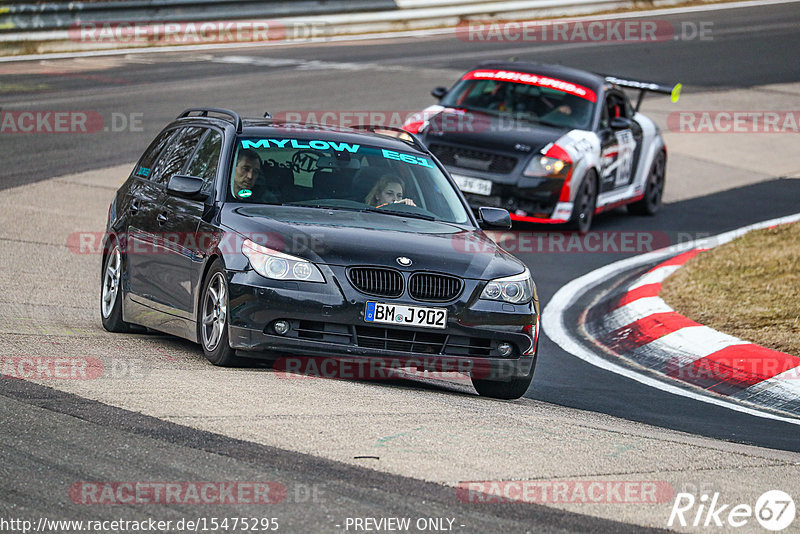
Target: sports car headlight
pixel 279 266
pixel 517 289
pixel 554 163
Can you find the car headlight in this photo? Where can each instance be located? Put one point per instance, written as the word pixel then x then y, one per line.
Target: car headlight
pixel 554 163
pixel 517 289
pixel 279 266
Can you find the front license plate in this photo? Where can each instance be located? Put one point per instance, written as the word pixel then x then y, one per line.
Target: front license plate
pixel 379 312
pixel 473 185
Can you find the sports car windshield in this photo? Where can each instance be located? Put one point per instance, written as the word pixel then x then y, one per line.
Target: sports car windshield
pixel 522 101
pixel 329 174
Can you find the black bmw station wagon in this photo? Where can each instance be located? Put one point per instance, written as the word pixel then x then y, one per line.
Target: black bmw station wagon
pixel 258 238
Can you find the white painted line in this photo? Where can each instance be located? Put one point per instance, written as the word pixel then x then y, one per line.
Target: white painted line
pixel 377 35
pixel 555 327
pixel 656 276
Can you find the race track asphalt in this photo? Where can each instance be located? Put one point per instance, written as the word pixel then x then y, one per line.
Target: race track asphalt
pixel 52 438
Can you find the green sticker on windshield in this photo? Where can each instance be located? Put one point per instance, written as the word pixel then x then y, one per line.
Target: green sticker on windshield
pixel 244 193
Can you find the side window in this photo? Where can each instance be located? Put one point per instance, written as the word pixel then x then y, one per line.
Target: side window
pixel 604 120
pixel 629 109
pixel 146 162
pixel 174 157
pixel 614 106
pixel 205 161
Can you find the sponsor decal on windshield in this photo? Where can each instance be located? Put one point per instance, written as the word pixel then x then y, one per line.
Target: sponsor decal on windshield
pixel 407 158
pixel 532 79
pixel 300 144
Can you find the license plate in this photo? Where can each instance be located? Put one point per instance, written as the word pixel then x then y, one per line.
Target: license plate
pixel 473 185
pixel 397 314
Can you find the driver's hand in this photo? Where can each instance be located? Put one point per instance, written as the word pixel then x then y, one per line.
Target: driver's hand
pixel 406 201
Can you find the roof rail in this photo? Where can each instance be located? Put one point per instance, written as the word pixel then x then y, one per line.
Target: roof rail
pixel 235 118
pixel 403 135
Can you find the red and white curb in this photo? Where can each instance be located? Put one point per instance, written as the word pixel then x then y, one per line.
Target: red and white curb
pixel 642 328
pixel 657 343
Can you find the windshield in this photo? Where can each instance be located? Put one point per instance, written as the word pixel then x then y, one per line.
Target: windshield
pixel 336 175
pixel 524 101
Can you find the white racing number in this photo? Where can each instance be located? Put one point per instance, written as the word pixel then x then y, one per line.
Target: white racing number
pixel 617 159
pixel 627 145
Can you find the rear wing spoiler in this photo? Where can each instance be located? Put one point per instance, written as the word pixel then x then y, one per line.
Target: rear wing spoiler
pixel 643 87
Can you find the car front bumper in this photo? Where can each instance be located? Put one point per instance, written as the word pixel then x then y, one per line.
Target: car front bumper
pixel 327 320
pixel 528 199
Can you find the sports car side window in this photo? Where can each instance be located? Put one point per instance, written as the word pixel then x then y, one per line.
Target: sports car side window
pixel 604 118
pixel 614 106
pixel 174 157
pixel 617 106
pixel 205 160
pixel 628 109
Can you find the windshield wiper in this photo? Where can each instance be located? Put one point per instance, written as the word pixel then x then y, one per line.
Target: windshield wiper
pixel 408 214
pixel 323 206
pixel 402 214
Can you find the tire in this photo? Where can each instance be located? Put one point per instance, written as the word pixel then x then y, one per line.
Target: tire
pixel 585 203
pixel 505 390
pixel 111 292
pixel 654 189
pixel 212 324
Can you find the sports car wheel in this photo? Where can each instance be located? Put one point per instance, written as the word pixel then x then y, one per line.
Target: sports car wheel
pixel 111 293
pixel 213 324
pixel 654 190
pixel 506 390
pixel 585 202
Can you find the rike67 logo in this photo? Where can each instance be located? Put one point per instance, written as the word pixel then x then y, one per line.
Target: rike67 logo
pixel 774 510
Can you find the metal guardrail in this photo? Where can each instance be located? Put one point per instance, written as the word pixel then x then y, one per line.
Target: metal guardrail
pixel 63 15
pixel 65 27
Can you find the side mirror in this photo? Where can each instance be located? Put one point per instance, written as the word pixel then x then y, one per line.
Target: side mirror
pixel 186 187
pixel 439 92
pixel 620 123
pixel 494 218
